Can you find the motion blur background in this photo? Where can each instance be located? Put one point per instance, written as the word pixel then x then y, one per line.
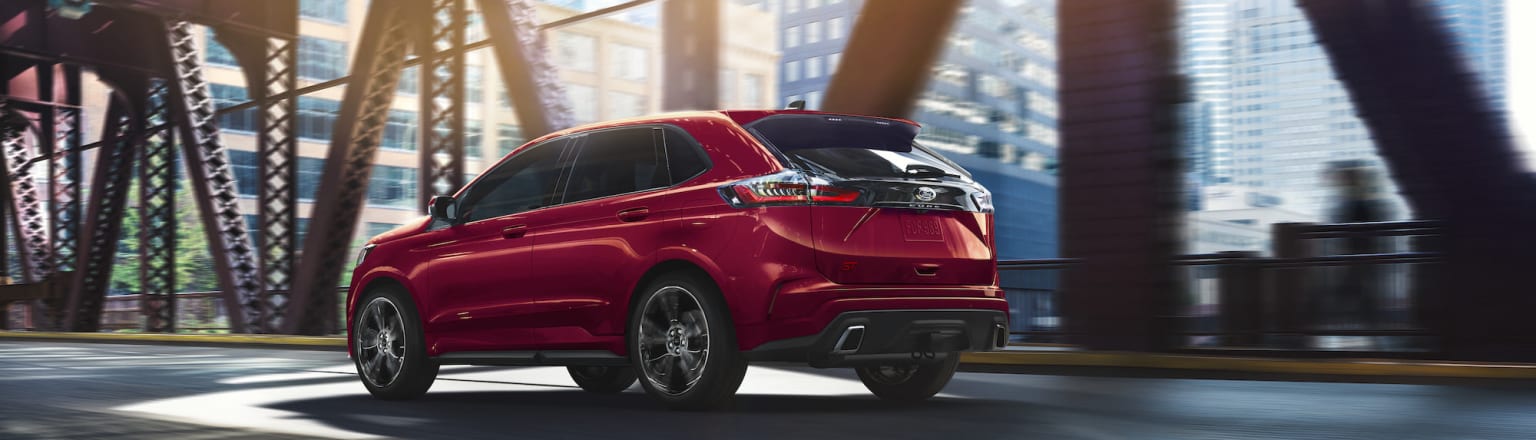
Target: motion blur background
pixel 1265 120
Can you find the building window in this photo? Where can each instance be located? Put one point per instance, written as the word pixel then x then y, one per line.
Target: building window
pixel 392 186
pixel 321 59
pixel 216 53
pixel 317 117
pixel 474 83
pixel 791 6
pixel 627 62
pixel 792 71
pixel 225 95
pixel 813 67
pixel 583 102
pixel 813 32
pixel 334 11
pixel 247 178
pixel 310 170
pixel 813 100
pixel 727 86
pixel 625 105
pixel 576 51
pixel 400 131
pixel 751 90
pixel 409 80
pixel 474 137
pixel 832 61
pixel 792 36
pixel 508 138
pixel 835 29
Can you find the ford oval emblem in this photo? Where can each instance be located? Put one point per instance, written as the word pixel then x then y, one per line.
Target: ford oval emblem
pixel 926 194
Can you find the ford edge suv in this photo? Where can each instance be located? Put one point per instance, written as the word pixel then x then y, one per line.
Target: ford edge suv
pixel 673 250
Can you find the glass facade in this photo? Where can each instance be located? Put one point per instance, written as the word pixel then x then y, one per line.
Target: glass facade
pixel 991 107
pixel 321 59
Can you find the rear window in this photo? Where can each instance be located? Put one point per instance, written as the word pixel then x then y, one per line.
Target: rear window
pixel 852 147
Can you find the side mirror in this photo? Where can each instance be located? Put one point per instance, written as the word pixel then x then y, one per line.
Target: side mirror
pixel 444 208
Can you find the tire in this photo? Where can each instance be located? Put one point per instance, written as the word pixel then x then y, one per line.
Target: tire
pixel 603 380
pixel 402 370
pixel 665 343
pixel 909 382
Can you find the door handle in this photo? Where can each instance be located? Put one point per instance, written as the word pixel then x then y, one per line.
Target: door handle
pixel 633 214
pixel 514 231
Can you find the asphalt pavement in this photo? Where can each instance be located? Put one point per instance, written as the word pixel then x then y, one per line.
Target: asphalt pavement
pixel 52 389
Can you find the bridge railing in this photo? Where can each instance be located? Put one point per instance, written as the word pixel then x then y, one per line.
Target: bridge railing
pixel 1329 287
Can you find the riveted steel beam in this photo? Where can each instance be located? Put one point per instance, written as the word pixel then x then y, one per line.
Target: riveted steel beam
pixel 312 307
pixel 890 56
pixel 531 79
pixel 442 101
pixel 690 41
pixel 104 218
pixel 277 152
pixel 213 183
pixel 157 219
pixel 28 210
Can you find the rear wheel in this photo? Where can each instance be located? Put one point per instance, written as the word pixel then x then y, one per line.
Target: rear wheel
pixel 683 344
pixel 909 382
pixel 603 380
pixel 388 347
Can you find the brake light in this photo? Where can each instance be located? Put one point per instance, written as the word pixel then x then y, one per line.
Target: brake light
pixel 786 188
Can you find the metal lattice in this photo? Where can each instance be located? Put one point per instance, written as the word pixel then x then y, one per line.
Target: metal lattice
pixel 28 208
pixel 157 219
pixel 375 75
pixel 442 116
pixel 277 148
pixel 64 206
pixel 104 220
pixel 213 183
pixel 527 71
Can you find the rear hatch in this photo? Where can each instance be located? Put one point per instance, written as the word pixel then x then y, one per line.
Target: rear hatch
pixel 885 210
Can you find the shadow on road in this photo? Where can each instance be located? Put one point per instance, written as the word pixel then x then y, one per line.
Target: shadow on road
pixel 577 414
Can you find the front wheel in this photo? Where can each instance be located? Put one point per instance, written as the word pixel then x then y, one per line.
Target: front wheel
pixel 388 346
pixel 909 382
pixel 683 345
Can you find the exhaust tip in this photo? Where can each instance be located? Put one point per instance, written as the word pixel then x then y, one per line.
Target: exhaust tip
pixel 1001 336
pixel 850 340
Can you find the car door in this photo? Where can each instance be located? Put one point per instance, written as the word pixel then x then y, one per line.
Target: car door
pixel 480 266
pixel 612 221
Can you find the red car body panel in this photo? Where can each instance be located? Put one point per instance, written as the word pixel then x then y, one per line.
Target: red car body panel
pixel 561 277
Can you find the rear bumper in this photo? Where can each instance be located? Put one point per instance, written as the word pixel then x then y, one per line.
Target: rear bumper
pixel 890 337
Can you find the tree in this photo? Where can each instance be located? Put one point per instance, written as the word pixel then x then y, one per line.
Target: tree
pixel 194 265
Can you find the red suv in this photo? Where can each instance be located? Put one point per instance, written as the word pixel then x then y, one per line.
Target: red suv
pixel 677 248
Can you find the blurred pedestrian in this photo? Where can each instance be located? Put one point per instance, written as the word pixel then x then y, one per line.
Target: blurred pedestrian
pixel 1356 298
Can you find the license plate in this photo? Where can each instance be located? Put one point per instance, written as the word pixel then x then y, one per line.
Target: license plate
pixel 921 228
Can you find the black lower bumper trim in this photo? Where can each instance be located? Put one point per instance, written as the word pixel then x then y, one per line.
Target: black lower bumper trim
pixel 891 337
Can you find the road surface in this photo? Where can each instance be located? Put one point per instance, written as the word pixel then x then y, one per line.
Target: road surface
pixel 91 391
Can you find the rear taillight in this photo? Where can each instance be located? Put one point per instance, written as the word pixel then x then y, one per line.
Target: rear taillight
pixel 786 188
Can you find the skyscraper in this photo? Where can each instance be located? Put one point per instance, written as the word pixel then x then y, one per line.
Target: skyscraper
pixel 1290 115
pixel 991 105
pixel 1478 28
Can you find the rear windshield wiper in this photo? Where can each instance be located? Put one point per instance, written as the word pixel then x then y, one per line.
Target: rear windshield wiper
pixel 920 170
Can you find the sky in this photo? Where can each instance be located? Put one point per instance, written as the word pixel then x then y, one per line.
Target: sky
pixel 1520 24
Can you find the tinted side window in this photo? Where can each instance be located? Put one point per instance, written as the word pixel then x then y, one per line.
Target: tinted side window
pixel 612 162
pixel 683 155
pixel 524 182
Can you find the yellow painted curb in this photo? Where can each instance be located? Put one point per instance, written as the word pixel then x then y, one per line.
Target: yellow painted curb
pixel 311 341
pixel 1332 367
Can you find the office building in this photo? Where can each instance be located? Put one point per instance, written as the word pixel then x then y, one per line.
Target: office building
pixel 991 105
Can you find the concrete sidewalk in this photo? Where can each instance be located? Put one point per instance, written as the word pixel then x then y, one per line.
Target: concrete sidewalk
pixel 1050 360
